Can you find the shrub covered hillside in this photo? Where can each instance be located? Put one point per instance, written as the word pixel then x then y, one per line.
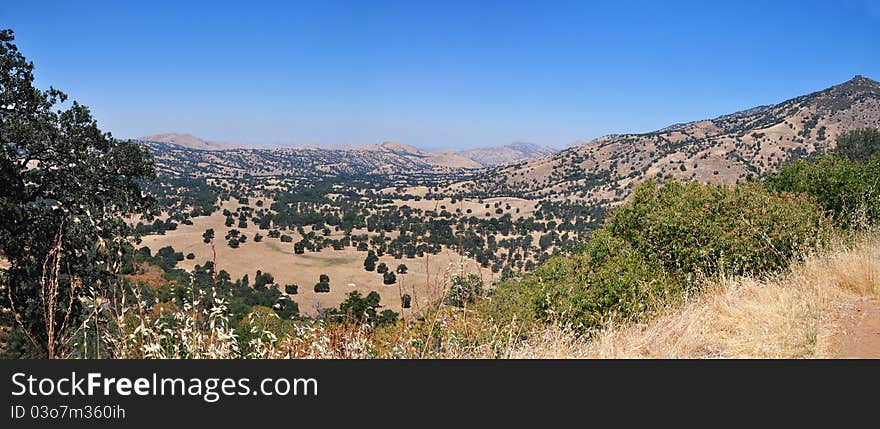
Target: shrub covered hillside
pixel 669 237
pixel 845 183
pixel 848 191
pixel 660 243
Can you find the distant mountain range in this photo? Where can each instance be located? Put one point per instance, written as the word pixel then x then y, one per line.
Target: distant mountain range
pixel 190 141
pixel 447 158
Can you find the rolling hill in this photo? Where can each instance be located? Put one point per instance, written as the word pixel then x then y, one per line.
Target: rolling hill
pixel 500 155
pixel 187 154
pixel 190 141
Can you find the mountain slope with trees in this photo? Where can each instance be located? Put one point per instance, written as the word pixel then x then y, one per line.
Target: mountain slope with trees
pixel 727 149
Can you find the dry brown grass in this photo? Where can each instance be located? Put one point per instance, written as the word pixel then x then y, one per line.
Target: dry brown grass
pixel 799 314
pixel 791 316
pixel 424 281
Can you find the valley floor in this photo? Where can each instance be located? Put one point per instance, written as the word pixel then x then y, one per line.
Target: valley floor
pixel 426 277
pixel 826 307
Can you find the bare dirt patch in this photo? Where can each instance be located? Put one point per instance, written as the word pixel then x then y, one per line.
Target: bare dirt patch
pixel 858 335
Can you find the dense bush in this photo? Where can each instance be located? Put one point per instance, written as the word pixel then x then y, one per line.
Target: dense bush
pixel 322 287
pixel 464 290
pixel 166 258
pixel 286 308
pixel 848 190
pixel 361 309
pixel 859 144
pixel 609 279
pixel 657 244
pixel 709 229
pixel 389 278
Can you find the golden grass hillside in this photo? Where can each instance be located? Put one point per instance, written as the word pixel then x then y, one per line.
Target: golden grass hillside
pixel 826 306
pixel 807 313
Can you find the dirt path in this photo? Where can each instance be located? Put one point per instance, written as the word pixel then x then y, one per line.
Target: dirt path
pixel 859 334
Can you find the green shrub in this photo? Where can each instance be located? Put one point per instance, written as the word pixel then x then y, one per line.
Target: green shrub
pixel 286 308
pixel 608 280
pixel 655 246
pixel 389 278
pixel 849 191
pixel 710 229
pixel 322 287
pixel 361 309
pixel 859 145
pixel 464 290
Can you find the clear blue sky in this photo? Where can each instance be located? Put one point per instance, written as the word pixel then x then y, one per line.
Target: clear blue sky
pixel 447 74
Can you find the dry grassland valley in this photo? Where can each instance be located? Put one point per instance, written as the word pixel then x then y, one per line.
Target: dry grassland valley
pixel 403 222
pixel 752 234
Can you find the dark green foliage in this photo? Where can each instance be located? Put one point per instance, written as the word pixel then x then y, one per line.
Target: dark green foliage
pixel 263 279
pixel 464 290
pixel 208 235
pixel 178 193
pixel 324 278
pixel 406 301
pixel 382 268
pixel 286 308
pixel 166 258
pixel 240 295
pixel 361 309
pixel 848 190
pixel 370 261
pixel 291 289
pixel 389 278
pixel 402 269
pixel 859 145
pixel 707 229
pixel 62 182
pixel 609 279
pixel 322 287
pixel 659 243
pixel 158 226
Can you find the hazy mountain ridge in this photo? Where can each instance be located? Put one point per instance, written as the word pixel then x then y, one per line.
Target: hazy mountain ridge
pixel 384 158
pixel 389 159
pixel 505 154
pixel 190 141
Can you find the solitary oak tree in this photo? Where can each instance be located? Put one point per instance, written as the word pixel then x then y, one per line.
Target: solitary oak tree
pixel 65 187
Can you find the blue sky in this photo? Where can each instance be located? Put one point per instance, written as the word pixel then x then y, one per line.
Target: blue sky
pixel 439 74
